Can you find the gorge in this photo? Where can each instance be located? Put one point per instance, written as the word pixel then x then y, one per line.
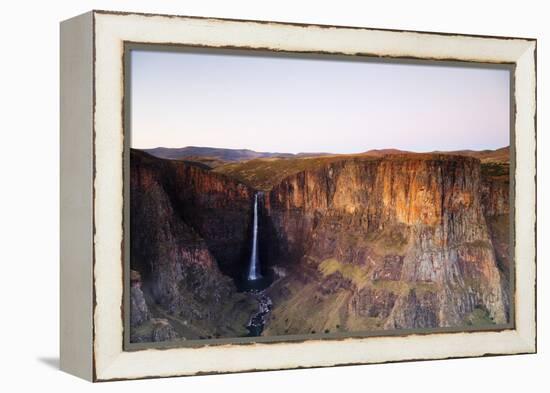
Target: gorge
pixel 384 240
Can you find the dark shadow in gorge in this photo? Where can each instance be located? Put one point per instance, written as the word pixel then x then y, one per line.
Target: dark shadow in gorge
pixel 276 250
pixel 226 232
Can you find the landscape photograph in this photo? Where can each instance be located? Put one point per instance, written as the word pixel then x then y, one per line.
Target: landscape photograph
pixel 277 196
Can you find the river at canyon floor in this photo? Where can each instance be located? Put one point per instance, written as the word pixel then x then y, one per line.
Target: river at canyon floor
pixel 257 321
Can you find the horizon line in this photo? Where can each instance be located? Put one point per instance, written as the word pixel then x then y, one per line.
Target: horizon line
pixel 320 152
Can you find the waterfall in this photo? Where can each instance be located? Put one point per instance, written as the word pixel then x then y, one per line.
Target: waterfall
pixel 254 268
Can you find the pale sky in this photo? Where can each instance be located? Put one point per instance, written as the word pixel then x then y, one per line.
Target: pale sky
pixel 282 104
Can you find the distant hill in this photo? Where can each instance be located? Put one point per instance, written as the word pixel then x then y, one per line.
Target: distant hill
pixel 214 157
pixel 383 152
pixel 486 156
pixel 501 155
pixel 217 156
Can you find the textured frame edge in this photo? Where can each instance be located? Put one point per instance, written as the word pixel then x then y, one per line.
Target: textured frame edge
pixel 76 204
pixel 110 362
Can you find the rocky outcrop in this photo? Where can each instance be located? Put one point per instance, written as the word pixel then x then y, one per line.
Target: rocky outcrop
pixel 373 303
pixel 415 310
pixel 409 232
pixel 139 312
pixel 144 328
pixel 495 192
pixel 181 217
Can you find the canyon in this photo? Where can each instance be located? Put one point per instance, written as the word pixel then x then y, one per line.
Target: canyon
pixel 187 231
pixel 384 240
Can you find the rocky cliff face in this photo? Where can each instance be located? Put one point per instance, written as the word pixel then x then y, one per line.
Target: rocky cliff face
pixel 394 242
pixel 145 328
pixel 355 244
pixel 186 224
pixel 495 191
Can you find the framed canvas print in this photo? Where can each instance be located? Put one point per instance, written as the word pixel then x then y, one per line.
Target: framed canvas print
pixel 245 195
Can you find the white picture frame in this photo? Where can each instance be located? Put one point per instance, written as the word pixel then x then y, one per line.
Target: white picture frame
pixel 92 194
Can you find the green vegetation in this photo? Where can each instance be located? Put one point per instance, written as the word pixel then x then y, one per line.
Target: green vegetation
pixel 495 169
pixel 359 277
pixel 478 317
pixel 354 273
pixel 482 244
pixel 392 240
pixel 203 162
pixel 305 308
pixel 402 288
pixel 264 173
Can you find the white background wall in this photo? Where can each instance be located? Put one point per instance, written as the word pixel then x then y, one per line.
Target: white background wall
pixel 29 195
